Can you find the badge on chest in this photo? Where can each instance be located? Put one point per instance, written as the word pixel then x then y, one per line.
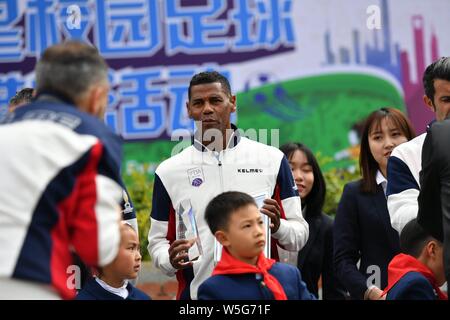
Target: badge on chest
pixel 196 177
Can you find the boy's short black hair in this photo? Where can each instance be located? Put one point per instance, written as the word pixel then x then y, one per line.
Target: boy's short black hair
pixel 219 209
pixel 413 238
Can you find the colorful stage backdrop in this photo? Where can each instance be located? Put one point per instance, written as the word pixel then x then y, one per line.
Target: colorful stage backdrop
pixel 311 68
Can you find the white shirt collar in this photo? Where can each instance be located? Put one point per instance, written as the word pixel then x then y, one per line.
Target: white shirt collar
pixel 121 292
pixel 381 180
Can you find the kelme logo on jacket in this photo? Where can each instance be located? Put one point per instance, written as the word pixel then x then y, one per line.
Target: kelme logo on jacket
pixel 250 170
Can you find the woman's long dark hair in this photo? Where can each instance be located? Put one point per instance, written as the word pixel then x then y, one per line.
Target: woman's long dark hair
pixel 315 200
pixel 367 162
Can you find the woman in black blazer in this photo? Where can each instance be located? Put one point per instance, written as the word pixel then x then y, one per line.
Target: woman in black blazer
pixel 316 257
pixel 362 227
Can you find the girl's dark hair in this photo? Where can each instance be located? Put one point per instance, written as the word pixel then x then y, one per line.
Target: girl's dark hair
pixel 315 200
pixel 367 162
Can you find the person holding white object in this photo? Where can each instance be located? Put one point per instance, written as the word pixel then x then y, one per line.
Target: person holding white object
pixel 220 159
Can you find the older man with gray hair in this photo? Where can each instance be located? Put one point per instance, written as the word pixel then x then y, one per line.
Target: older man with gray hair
pixel 61 188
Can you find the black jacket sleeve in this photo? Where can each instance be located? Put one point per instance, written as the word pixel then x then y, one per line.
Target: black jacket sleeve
pixel 331 288
pixel 434 198
pixel 347 237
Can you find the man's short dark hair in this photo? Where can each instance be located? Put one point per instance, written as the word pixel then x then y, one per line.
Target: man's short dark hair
pixel 23 96
pixel 219 209
pixel 413 238
pixel 210 77
pixel 69 69
pixel 439 69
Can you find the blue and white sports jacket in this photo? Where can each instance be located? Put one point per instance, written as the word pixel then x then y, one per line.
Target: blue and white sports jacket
pixel 403 185
pixel 199 174
pixel 60 190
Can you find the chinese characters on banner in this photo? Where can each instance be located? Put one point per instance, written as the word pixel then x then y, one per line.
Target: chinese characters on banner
pixel 153 48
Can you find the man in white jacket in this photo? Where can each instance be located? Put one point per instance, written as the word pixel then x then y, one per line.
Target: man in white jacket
pixel 61 188
pixel 218 160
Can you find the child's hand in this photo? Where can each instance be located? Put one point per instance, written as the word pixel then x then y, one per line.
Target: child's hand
pixel 178 253
pixel 272 209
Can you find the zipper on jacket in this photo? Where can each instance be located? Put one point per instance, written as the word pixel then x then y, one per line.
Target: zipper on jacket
pixel 219 163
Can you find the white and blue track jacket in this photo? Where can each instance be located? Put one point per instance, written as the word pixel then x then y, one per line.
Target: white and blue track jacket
pixel 60 191
pixel 199 174
pixel 403 186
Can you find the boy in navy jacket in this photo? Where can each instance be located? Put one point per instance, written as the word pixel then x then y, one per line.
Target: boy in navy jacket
pixel 244 273
pixel 418 272
pixel 112 282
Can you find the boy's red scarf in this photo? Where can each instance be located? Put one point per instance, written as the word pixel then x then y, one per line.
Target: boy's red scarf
pixel 401 264
pixel 230 265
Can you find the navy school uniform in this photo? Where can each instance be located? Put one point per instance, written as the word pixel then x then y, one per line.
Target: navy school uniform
pixel 363 231
pixel 412 286
pixel 94 291
pixel 410 279
pixel 315 259
pixel 250 286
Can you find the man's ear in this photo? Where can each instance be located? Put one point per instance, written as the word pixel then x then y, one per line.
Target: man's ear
pixel 90 100
pixel 188 110
pixel 233 102
pixel 222 237
pixel 95 100
pixel 429 103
